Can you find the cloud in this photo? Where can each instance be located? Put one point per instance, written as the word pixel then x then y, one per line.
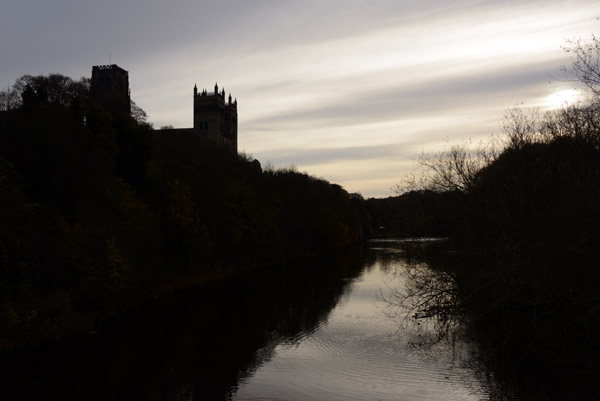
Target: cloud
pixel 346 88
pixel 468 92
pixel 315 156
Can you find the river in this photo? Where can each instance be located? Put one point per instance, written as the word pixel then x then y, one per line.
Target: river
pixel 332 330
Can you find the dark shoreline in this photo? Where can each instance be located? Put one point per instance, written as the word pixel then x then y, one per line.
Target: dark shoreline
pixel 136 297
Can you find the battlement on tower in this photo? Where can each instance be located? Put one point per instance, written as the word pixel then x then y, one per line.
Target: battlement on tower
pixel 215 117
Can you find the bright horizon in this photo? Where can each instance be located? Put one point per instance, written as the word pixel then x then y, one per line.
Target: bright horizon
pixel 347 91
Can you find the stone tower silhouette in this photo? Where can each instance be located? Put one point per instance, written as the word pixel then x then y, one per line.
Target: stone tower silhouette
pixel 110 88
pixel 216 118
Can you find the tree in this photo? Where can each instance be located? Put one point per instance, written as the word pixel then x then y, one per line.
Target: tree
pixel 138 113
pixel 54 89
pixel 456 168
pixel 9 99
pixel 585 66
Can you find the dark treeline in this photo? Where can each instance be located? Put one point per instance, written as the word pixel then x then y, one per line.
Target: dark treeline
pixel 521 265
pixel 99 211
pixel 525 244
pixel 530 224
pixel 417 213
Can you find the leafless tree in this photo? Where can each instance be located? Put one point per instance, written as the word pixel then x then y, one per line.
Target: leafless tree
pixel 585 67
pixel 456 168
pixel 519 127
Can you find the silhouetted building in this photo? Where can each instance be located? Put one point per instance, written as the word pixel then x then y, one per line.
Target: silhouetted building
pixel 215 118
pixel 110 88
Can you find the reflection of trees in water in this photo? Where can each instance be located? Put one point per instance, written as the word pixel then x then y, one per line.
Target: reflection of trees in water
pixel 421 295
pixel 425 303
pixel 518 348
pixel 197 347
pixel 429 298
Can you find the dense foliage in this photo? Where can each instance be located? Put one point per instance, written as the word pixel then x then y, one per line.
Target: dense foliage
pixel 417 213
pixel 99 211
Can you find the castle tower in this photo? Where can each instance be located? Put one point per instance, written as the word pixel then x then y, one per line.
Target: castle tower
pixel 110 88
pixel 214 118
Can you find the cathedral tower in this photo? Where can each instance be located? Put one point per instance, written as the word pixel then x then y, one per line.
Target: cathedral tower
pixel 215 117
pixel 110 88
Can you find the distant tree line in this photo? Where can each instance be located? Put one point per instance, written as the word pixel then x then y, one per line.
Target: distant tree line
pixel 415 213
pixel 98 211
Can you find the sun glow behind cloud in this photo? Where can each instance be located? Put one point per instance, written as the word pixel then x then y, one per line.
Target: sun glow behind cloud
pixel 563 98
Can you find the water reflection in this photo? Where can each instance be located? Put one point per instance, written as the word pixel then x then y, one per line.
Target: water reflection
pixel 423 299
pixel 427 298
pixel 510 347
pixel 198 346
pixel 340 329
pixel 365 350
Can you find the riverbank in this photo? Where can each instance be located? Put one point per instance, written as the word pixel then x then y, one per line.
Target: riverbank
pixel 59 321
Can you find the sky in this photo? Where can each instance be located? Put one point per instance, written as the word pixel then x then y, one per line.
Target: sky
pixel 351 91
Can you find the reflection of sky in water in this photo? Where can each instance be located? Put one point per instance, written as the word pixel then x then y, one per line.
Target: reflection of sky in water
pixel 360 354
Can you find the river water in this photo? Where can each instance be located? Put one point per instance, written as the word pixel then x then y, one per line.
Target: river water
pixel 332 330
pixel 367 348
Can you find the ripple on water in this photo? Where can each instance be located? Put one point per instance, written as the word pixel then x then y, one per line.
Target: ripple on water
pixel 354 355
